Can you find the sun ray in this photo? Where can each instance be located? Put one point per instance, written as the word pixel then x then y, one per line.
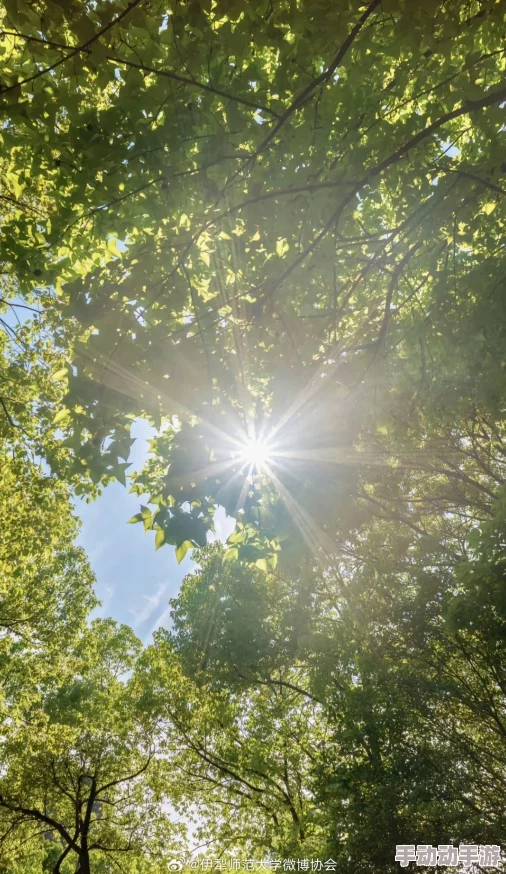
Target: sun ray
pixel 118 378
pixel 257 450
pixel 242 494
pixel 307 526
pixel 202 473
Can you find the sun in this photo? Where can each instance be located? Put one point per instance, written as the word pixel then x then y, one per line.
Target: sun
pixel 256 454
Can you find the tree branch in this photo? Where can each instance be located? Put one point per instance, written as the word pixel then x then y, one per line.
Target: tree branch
pixel 145 68
pixel 40 817
pixel 127 778
pixel 75 51
pixel 322 79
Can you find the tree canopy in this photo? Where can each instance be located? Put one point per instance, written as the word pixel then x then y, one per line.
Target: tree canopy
pixel 74 769
pixel 274 230
pixel 231 205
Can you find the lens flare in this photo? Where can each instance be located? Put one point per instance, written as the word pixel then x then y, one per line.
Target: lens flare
pixel 256 454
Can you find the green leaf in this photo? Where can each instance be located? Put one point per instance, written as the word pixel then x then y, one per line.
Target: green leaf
pixel 182 549
pixel 60 374
pixel 62 416
pixel 159 538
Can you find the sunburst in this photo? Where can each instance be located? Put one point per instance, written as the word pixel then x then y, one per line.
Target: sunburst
pixel 244 455
pixel 257 454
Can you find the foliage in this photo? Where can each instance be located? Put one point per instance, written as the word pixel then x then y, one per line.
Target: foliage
pixel 75 750
pixel 296 190
pixel 46 584
pixel 252 221
pixel 240 757
pixel 75 765
pixel 376 708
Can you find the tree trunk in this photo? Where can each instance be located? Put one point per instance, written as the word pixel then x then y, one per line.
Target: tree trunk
pixel 83 866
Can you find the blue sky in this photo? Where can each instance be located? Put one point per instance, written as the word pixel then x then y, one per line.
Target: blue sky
pixel 134 581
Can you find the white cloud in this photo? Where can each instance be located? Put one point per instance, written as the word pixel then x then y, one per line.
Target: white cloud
pixel 161 621
pixel 150 606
